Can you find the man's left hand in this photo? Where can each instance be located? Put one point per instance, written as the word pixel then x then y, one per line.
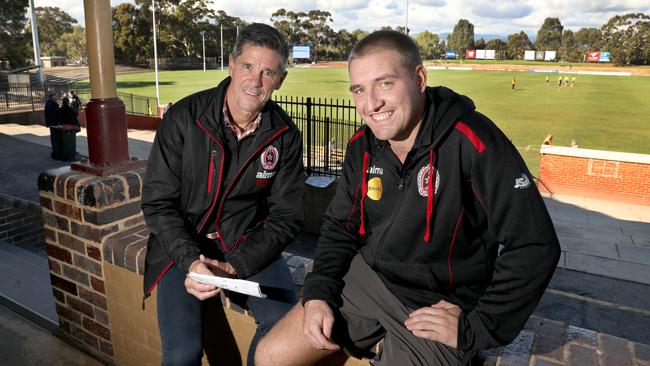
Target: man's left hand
pixel 438 322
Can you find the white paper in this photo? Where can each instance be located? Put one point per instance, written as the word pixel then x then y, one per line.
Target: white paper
pixel 242 286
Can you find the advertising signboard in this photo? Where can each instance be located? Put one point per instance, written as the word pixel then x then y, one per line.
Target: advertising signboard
pixel 470 54
pixel 550 55
pixel 593 56
pixel 539 55
pixel 490 54
pixel 480 54
pixel 529 55
pixel 450 54
pixel 604 57
pixel 301 52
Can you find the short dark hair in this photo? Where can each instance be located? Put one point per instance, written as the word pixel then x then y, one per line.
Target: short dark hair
pixel 262 35
pixel 389 40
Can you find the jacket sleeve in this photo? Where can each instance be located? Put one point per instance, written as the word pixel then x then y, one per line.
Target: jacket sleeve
pixel 517 218
pixel 259 247
pixel 339 238
pixel 161 193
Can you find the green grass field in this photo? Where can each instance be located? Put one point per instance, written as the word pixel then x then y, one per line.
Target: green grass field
pixel 600 112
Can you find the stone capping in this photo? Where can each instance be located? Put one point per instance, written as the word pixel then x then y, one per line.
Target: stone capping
pixel 127 249
pixel 596 154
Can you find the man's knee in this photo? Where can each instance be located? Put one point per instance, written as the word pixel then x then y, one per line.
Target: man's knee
pixel 276 347
pixel 184 355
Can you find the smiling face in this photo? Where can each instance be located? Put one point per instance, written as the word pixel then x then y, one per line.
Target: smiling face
pixel 256 72
pixel 388 96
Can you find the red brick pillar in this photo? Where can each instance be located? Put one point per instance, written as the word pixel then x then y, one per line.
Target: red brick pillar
pixel 80 211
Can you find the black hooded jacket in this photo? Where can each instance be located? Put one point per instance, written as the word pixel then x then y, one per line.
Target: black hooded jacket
pixel 252 209
pixel 432 239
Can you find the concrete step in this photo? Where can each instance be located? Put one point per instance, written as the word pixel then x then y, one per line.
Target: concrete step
pixel 25 285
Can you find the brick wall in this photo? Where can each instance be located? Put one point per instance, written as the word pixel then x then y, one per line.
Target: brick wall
pixel 79 212
pixel 20 221
pixel 607 175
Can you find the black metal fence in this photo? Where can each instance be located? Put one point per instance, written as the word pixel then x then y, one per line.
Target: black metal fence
pixel 16 97
pixel 326 125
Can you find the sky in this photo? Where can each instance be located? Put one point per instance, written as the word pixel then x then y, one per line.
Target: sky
pixel 490 17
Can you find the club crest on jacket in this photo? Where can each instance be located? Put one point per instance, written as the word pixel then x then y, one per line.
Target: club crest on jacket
pixel 423 181
pixel 270 157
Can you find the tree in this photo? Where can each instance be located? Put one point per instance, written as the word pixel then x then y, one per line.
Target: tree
pixel 568 51
pixel 587 40
pixel 359 34
pixel 290 24
pixel 301 28
pixel 52 24
pixel 462 37
pixel 625 36
pixel 13 38
pixel 73 44
pixel 230 27
pixel 428 43
pixel 549 35
pixel 517 44
pixel 480 44
pixel 132 33
pixel 496 44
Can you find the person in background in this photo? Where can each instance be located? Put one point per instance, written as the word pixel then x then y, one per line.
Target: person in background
pixel 574 143
pixel 547 80
pixel 514 83
pixel 52 114
pixel 548 140
pixel 68 114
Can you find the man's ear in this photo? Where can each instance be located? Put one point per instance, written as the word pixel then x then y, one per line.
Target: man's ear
pixel 231 63
pixel 284 75
pixel 421 77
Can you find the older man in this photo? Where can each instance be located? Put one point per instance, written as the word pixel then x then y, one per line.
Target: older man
pixel 410 246
pixel 223 195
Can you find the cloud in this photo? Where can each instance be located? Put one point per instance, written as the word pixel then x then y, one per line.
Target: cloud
pixel 438 16
pixel 502 10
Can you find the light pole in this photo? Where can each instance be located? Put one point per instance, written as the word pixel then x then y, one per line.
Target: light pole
pixel 221 25
pixel 406 25
pixel 155 54
pixel 37 47
pixel 203 39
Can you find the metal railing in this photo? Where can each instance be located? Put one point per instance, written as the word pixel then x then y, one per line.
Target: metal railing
pixel 326 126
pixel 16 97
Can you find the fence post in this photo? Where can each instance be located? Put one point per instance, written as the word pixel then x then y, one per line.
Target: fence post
pixel 7 95
pixel 309 105
pixel 31 95
pixel 326 147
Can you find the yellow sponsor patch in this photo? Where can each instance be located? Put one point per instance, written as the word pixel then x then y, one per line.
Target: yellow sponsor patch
pixel 375 188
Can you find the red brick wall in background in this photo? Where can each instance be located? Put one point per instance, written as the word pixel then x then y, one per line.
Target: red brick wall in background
pixel 596 174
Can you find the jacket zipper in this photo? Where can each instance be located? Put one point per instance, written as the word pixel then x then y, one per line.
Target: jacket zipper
pixel 392 221
pixel 232 183
pixel 216 195
pixel 211 171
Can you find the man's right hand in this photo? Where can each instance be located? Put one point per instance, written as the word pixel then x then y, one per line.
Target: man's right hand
pixel 207 267
pixel 317 325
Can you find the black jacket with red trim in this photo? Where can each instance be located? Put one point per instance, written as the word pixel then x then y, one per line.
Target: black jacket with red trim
pixel 432 239
pixel 256 212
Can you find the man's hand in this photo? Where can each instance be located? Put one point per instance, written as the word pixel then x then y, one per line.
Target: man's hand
pixel 438 322
pixel 208 267
pixel 317 325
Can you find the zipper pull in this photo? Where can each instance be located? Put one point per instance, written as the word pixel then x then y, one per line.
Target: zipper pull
pixel 401 184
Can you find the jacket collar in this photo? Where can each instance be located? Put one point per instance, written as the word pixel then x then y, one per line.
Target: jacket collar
pixel 212 115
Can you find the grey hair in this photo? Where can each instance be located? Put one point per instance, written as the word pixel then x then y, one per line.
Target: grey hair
pixel 389 40
pixel 263 35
